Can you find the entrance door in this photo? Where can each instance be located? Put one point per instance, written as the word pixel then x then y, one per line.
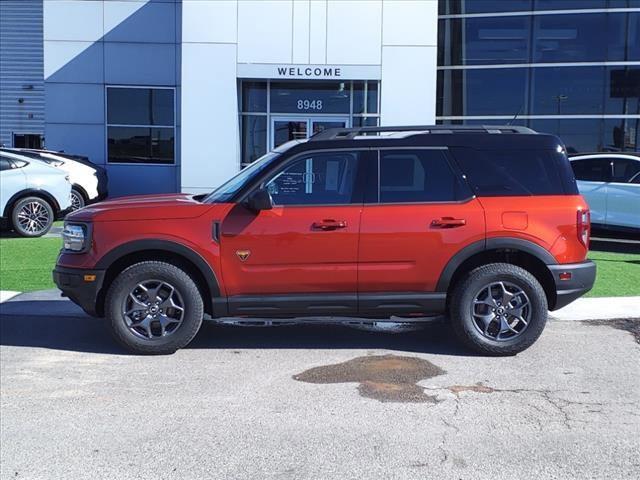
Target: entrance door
pixel 284 129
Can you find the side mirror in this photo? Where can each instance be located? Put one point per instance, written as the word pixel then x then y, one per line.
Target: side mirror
pixel 260 200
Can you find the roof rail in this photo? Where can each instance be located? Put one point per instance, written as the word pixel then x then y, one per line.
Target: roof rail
pixel 350 133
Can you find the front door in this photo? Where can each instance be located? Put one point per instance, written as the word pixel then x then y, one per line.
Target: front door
pixel 301 256
pixel 418 214
pixel 284 129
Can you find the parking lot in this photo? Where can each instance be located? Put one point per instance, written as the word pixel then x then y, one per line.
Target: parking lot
pixel 315 402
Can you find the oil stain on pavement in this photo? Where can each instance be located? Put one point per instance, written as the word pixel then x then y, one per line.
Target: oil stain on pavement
pixel 387 378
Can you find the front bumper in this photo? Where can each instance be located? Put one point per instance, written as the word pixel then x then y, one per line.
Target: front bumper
pixel 80 286
pixel 580 278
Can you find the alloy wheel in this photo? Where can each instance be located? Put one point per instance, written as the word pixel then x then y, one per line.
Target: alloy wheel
pixel 76 200
pixel 501 311
pixel 33 218
pixel 154 309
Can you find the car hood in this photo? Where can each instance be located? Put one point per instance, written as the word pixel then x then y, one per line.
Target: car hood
pixel 142 207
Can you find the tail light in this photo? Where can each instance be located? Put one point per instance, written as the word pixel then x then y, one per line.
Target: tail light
pixel 584 227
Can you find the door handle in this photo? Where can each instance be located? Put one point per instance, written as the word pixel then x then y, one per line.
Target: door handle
pixel 448 222
pixel 329 225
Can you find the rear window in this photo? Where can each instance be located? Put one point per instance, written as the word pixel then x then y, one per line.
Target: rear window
pixel 496 173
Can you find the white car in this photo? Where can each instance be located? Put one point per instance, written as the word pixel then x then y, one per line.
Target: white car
pixel 610 182
pixel 32 194
pixel 89 181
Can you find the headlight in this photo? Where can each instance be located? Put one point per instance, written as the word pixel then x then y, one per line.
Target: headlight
pixel 74 237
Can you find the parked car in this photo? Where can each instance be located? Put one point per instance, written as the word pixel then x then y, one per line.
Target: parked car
pixel 89 181
pixel 32 194
pixel 610 182
pixel 483 223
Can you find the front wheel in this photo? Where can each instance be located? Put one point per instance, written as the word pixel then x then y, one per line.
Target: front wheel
pixel 77 200
pixel 154 308
pixel 499 309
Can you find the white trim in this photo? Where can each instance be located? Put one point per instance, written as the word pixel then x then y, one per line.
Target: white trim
pixel 533 117
pixel 533 65
pixel 538 12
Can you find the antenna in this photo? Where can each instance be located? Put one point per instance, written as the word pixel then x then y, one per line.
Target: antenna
pixel 515 116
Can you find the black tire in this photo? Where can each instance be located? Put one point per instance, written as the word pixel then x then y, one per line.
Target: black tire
pixel 39 210
pixel 466 325
pixel 151 271
pixel 77 199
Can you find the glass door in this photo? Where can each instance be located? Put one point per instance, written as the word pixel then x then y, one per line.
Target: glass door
pixel 284 129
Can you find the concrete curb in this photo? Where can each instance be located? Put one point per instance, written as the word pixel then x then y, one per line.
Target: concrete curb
pixel 6 295
pixel 604 308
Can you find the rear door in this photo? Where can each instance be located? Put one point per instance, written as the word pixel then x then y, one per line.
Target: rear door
pixel 418 213
pixel 12 180
pixel 623 194
pixel 592 175
pixel 306 245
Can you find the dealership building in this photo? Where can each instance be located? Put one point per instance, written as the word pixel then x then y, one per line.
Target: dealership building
pixel 179 95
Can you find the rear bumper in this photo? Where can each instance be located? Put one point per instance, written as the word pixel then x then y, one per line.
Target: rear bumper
pixel 582 277
pixel 76 284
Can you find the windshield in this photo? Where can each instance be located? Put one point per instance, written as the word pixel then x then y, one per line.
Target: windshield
pixel 228 189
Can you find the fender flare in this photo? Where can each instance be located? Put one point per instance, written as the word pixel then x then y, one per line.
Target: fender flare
pixel 36 192
pixel 493 243
pixel 168 246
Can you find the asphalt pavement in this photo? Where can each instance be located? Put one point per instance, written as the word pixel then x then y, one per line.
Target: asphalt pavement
pixel 314 402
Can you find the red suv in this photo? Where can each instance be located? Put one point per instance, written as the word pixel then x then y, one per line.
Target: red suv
pixel 483 223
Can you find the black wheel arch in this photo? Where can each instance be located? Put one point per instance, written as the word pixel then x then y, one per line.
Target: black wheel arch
pixel 524 253
pixel 31 192
pixel 81 190
pixel 116 260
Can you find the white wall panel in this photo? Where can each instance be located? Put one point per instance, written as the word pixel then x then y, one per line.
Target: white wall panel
pixel 408 91
pixel 78 62
pixel 73 20
pixel 301 30
pixel 354 34
pixel 210 21
pixel 210 150
pixel 139 21
pixel 318 32
pixel 265 31
pixel 410 22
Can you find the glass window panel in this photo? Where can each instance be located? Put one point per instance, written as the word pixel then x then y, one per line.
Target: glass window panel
pixel 358 97
pixel 622 135
pixel 633 36
pixel 578 135
pixel 418 176
pixel 254 97
pixel 568 4
pixel 140 106
pixel 567 90
pixel 310 97
pixel 484 41
pixel 254 137
pixel 481 6
pixel 592 170
pixel 570 38
pixel 622 90
pixel 287 130
pixel 625 169
pixel 362 98
pixel 617 36
pixel 483 92
pixel 140 145
pixel 365 121
pixel 372 97
pixel 321 179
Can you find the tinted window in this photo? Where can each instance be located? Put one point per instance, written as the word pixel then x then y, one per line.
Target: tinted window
pixel 570 38
pixel 319 179
pixel 310 97
pixel 418 176
pixel 4 164
pixel 140 106
pixel 140 145
pixel 481 6
pixel 625 169
pixel 516 172
pixel 592 170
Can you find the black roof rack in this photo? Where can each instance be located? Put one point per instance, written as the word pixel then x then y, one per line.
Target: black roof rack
pixel 350 133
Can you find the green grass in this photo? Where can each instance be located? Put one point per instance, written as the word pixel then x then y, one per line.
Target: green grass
pixel 618 274
pixel 26 263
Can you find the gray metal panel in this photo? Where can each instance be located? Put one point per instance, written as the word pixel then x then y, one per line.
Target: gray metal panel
pixel 21 68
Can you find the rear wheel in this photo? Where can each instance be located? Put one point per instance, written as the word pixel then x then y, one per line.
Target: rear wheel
pixel 32 217
pixel 499 309
pixel 154 308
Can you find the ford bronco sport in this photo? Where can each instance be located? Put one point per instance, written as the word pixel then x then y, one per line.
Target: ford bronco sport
pixel 483 223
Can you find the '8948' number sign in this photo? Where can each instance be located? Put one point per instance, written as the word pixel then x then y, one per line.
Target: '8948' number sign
pixel 309 105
